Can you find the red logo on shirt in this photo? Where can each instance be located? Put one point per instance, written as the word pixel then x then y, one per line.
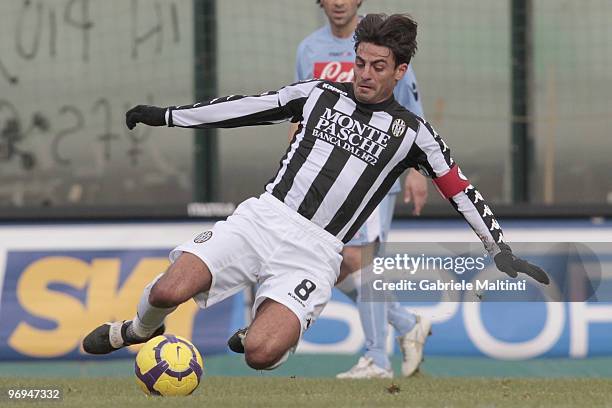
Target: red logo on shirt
pixel 334 71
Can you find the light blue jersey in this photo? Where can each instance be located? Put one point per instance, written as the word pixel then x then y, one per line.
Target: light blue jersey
pixel 322 55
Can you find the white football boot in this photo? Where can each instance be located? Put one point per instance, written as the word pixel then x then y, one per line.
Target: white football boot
pixel 412 343
pixel 365 368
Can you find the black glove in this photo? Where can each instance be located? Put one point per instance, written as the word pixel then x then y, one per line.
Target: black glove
pixel 510 264
pixel 147 114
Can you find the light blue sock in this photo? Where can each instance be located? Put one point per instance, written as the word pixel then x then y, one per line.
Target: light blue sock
pixel 374 322
pixel 401 319
pixel 375 328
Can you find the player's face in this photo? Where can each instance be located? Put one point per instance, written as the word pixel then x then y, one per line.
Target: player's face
pixel 375 73
pixel 341 13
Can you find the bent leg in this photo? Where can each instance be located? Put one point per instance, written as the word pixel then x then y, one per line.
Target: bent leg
pixel 186 277
pixel 272 334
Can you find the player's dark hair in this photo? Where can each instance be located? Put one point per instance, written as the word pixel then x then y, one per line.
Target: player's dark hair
pixel 397 32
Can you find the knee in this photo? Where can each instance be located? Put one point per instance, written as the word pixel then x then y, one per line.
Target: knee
pixel 261 355
pixel 163 296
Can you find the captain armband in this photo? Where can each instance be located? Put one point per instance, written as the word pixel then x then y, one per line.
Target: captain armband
pixel 452 182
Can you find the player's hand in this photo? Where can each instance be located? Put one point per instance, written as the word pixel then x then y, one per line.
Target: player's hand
pixel 147 114
pixel 510 264
pixel 415 190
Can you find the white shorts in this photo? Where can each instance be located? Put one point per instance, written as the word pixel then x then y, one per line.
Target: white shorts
pixel 264 242
pixel 377 225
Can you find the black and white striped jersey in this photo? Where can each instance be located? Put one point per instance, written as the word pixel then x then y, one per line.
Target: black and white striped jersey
pixel 345 155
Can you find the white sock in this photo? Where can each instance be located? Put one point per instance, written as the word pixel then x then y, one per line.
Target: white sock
pixel 148 317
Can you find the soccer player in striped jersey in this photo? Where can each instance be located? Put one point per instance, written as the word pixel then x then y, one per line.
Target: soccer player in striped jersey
pixel 354 141
pixel 328 53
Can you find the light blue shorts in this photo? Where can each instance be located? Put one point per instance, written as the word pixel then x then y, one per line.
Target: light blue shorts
pixel 378 224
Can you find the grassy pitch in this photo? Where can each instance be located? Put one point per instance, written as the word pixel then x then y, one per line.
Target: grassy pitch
pixel 291 392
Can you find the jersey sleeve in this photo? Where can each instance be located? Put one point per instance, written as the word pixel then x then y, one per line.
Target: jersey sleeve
pixel 432 157
pixel 407 93
pixel 240 110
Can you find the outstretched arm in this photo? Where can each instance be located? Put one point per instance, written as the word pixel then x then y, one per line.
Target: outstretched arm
pixel 228 111
pixel 432 156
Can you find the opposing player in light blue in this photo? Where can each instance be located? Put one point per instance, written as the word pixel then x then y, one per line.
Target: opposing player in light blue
pixel 328 53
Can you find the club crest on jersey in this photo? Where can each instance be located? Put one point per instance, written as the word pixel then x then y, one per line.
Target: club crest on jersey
pixel 398 127
pixel 203 237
